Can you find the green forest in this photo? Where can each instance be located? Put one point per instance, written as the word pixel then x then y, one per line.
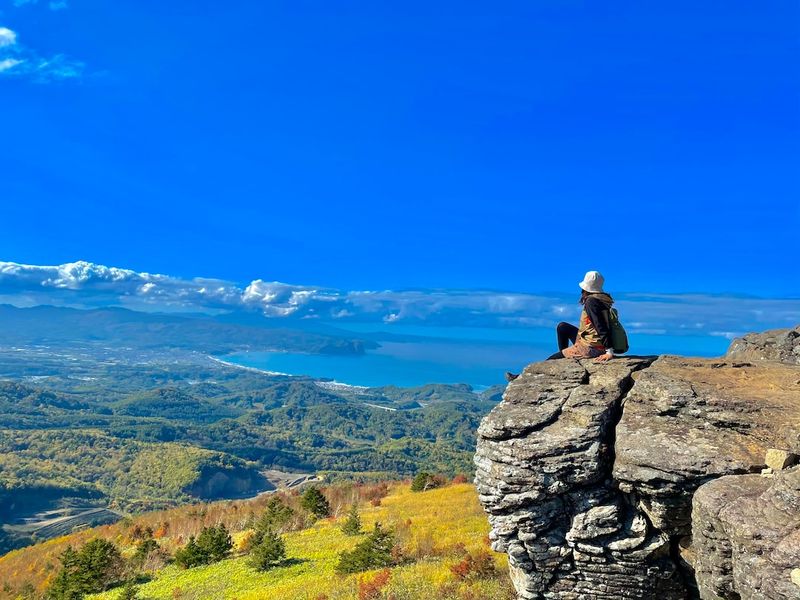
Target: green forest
pixel 135 436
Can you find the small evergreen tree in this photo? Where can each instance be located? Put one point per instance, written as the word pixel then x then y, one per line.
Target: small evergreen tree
pixel 270 551
pixel 94 568
pixel 276 515
pixel 191 555
pixel 215 542
pixel 373 552
pixel 352 525
pixel 315 502
pixel 424 481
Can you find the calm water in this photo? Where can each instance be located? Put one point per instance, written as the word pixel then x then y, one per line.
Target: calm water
pixel 475 356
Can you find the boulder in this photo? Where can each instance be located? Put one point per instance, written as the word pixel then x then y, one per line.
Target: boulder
pixel 588 473
pixel 746 536
pixel 779 459
pixel 782 345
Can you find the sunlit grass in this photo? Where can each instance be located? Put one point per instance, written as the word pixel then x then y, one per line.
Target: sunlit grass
pixel 430 525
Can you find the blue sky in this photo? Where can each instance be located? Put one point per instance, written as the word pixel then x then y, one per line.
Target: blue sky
pixel 369 146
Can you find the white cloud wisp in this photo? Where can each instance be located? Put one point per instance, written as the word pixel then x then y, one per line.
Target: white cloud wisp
pixel 88 285
pixel 17 60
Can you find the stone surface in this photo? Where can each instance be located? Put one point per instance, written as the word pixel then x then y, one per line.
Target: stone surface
pixel 587 472
pixel 689 420
pixel 781 345
pixel 780 459
pixel 746 536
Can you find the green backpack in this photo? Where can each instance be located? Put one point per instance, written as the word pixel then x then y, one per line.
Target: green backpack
pixel 619 339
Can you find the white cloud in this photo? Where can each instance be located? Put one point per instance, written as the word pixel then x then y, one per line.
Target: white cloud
pixel 19 61
pixel 7 37
pixel 9 63
pixel 58 5
pixel 727 334
pixel 84 284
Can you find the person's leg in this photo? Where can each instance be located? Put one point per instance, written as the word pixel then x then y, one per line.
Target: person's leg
pixel 566 333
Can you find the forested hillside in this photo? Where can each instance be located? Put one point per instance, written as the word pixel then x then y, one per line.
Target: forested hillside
pixel 82 430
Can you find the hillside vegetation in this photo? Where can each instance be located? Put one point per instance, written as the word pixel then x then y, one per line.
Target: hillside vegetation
pixel 134 474
pixel 142 433
pixel 441 551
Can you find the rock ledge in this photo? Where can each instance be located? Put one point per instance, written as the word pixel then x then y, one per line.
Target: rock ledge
pixel 633 478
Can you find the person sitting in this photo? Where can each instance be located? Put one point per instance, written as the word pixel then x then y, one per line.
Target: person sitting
pixel 592 338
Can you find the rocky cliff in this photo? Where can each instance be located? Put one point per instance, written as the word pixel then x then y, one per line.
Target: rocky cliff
pixel 642 477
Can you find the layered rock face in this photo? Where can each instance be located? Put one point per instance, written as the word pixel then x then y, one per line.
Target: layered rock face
pixel 588 473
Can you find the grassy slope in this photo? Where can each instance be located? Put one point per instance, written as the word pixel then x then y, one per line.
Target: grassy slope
pixel 448 516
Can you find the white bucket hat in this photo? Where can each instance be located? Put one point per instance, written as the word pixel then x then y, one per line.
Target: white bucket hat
pixel 592 282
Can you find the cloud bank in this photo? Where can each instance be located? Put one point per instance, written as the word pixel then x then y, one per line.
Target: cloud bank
pixel 88 285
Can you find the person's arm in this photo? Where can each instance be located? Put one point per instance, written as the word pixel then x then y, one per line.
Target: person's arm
pixel 598 314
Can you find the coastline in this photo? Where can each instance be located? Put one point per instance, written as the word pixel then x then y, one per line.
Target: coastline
pixel 246 368
pixel 332 385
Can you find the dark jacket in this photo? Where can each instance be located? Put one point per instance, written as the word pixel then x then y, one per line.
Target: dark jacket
pixel 597 308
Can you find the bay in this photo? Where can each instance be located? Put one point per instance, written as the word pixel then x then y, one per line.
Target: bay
pixel 413 355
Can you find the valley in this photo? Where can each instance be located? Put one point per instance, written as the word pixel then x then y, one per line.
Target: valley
pixel 91 429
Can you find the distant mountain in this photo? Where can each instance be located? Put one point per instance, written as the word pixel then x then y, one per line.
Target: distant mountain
pixel 59 326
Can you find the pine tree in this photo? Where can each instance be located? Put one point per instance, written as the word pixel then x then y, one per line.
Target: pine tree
pixel 315 502
pixel 269 552
pixel 191 555
pixel 216 542
pixel 373 552
pixel 275 516
pixel 352 525
pixel 94 568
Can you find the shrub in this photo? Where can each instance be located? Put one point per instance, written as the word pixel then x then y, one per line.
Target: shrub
pixel 314 502
pixel 149 556
pixel 245 543
pixel 478 565
pixel 269 552
pixel 373 552
pixel 375 492
pixel 144 549
pixel 161 531
pixel 352 525
pixel 370 589
pixel 460 478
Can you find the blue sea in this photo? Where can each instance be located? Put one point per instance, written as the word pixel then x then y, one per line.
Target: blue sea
pixel 412 355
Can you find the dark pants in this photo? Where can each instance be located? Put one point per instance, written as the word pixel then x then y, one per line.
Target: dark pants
pixel 565 333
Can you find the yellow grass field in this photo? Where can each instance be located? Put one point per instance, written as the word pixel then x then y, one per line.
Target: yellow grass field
pixel 435 528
